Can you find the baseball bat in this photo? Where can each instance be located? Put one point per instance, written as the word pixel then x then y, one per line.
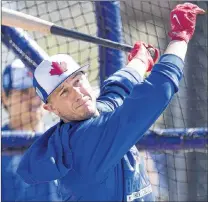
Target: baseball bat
pixel 31 23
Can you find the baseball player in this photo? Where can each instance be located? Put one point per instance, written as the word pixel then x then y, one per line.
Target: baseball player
pixel 19 98
pixel 91 150
pixel 25 112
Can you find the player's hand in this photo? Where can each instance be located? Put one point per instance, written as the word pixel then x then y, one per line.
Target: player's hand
pixel 141 52
pixel 183 21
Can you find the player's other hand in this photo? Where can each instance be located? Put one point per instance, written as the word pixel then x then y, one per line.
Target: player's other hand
pixel 183 21
pixel 140 51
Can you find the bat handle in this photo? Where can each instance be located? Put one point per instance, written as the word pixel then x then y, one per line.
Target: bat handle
pixel 154 52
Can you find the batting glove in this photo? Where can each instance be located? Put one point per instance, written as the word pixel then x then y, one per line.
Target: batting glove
pixel 183 21
pixel 146 53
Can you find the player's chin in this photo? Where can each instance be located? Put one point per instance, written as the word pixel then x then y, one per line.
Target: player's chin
pixel 88 112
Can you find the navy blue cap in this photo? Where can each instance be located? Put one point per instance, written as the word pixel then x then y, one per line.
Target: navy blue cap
pixel 17 76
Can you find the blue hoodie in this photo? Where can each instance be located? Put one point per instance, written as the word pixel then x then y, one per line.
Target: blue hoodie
pixel 95 159
pixel 13 188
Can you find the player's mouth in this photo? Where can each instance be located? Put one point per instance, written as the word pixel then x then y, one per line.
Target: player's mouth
pixel 84 101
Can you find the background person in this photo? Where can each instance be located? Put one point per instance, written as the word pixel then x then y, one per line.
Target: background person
pixel 24 108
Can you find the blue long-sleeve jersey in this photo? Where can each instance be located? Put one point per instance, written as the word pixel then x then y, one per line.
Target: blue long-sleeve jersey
pixel 95 159
pixel 13 188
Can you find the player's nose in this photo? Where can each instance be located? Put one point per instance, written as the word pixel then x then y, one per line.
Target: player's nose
pixel 79 94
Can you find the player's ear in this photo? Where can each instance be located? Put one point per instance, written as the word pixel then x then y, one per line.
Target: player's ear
pixel 48 107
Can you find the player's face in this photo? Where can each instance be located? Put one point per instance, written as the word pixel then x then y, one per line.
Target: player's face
pixel 73 100
pixel 24 107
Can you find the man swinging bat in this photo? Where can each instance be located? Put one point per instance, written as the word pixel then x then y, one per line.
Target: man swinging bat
pixel 91 150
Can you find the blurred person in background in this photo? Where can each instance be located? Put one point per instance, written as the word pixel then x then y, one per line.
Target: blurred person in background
pixel 24 111
pixel 20 100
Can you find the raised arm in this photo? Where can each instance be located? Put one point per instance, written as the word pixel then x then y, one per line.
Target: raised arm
pixel 108 137
pixel 118 86
pixel 126 125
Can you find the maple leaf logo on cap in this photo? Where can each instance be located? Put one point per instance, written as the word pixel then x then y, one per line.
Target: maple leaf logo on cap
pixel 58 69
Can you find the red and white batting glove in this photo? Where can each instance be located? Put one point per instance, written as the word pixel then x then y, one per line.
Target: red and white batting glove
pixel 142 51
pixel 183 21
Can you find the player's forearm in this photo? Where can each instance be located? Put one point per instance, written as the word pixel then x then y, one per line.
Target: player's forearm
pixel 138 66
pixel 150 98
pixel 170 66
pixel 118 86
pixel 178 48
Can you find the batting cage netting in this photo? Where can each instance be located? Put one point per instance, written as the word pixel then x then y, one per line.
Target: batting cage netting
pixel 174 148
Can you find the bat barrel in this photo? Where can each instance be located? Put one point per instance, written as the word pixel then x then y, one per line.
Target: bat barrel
pixel 27 22
pixel 17 19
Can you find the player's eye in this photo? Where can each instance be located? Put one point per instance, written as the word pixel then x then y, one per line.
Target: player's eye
pixel 64 92
pixel 77 81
